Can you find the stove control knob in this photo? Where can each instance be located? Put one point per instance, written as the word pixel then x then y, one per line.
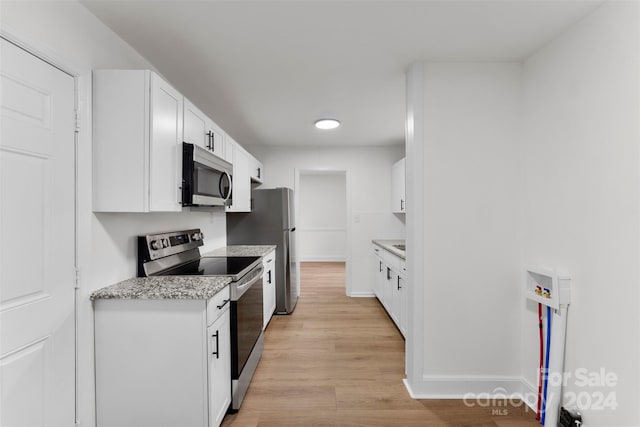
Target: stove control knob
pixel 165 243
pixel 196 236
pixel 155 244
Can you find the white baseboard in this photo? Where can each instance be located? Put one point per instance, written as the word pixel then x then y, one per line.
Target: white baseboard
pixel 327 258
pixel 529 389
pixel 362 295
pixel 471 387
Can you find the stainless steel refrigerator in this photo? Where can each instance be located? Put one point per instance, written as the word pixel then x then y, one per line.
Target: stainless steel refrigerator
pixel 271 222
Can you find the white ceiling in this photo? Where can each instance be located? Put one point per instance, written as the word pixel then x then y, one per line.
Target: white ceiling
pixel 266 70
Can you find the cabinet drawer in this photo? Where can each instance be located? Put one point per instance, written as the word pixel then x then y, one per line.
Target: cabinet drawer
pixel 268 259
pixel 378 250
pixel 392 261
pixel 217 305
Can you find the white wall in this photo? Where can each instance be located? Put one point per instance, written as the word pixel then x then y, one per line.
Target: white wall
pixel 471 227
pixel 369 192
pixel 581 187
pixel 322 216
pixel 67 33
pixel 534 163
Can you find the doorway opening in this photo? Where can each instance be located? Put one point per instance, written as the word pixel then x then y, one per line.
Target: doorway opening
pixel 323 232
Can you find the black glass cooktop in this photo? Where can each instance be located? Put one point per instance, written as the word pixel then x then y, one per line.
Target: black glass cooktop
pixel 213 266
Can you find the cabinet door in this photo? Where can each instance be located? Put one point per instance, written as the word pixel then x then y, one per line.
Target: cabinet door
pixel 165 156
pixel 404 302
pixel 215 139
pixel 398 204
pixel 272 278
pixel 201 130
pixel 379 272
pixel 241 196
pixel 394 297
pixel 403 185
pixel 228 149
pixel 269 287
pixel 386 288
pixel 256 170
pixel 219 348
pixel 195 125
pixel 381 279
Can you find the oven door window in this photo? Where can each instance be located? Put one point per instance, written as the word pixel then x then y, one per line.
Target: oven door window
pixel 246 326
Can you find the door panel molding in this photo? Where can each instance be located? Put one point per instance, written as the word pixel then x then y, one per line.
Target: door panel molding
pixel 36 110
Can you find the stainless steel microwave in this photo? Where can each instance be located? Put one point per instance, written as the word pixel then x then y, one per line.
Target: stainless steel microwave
pixel 206 178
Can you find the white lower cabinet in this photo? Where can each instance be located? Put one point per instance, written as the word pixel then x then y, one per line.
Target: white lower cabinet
pixel 394 296
pixel 390 286
pixel 386 291
pixel 162 363
pixel 379 280
pixel 269 286
pixel 219 369
pixel 404 303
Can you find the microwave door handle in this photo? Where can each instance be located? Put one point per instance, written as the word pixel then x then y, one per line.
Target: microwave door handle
pixel 225 196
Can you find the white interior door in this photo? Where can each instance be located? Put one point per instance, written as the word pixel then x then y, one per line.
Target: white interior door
pixel 37 241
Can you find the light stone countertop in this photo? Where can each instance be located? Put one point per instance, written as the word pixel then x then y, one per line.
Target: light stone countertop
pixel 241 250
pixel 388 246
pixel 164 287
pixel 179 287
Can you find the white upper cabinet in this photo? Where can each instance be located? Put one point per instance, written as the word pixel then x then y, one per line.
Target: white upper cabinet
pixel 398 201
pixel 139 124
pixel 228 149
pixel 241 193
pixel 201 130
pixel 246 170
pixel 256 170
pixel 137 136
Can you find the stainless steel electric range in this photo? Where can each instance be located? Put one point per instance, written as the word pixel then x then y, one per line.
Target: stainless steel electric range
pixel 178 254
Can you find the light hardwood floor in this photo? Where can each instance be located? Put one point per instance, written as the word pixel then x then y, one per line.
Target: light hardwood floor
pixel 339 361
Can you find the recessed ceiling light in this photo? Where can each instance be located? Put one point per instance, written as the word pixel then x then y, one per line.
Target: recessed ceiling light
pixel 327 123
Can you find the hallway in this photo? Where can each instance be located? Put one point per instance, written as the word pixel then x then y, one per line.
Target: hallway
pixel 339 361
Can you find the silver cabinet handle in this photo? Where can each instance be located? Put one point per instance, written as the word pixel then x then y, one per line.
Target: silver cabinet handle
pixel 209 140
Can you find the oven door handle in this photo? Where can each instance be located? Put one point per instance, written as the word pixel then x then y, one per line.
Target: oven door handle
pixel 242 287
pixel 258 275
